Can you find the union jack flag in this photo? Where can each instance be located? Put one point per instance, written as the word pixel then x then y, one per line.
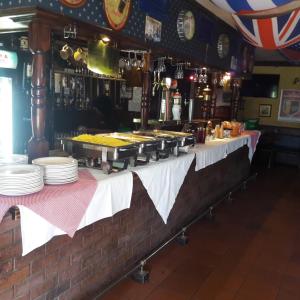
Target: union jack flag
pixel 292 53
pixel 270 33
pixel 237 6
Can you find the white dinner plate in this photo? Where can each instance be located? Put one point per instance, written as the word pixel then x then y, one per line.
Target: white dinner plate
pixel 56 171
pixel 13 159
pixel 20 186
pixel 60 182
pixel 54 160
pixel 21 192
pixel 19 171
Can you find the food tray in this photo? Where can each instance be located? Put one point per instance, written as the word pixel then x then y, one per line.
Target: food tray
pixel 95 150
pixel 184 139
pixel 145 144
pixel 101 156
pixel 166 141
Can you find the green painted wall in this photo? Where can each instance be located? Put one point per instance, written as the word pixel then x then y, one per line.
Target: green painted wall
pixel 251 105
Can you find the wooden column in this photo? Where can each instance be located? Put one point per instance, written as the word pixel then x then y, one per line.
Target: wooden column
pixel 39 43
pixel 146 92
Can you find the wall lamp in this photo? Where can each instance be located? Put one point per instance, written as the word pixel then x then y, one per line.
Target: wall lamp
pixel 104 38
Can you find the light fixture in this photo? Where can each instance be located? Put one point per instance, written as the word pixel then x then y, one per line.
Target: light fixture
pixel 227 77
pixel 104 38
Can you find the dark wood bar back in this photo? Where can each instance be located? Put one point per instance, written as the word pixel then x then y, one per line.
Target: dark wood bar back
pixel 39 43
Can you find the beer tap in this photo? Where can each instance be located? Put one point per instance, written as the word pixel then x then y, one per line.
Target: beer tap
pixel 156 82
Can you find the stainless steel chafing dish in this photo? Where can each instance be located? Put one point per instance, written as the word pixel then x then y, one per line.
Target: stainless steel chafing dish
pixel 104 157
pixel 184 139
pixel 147 146
pixel 168 144
pixel 170 141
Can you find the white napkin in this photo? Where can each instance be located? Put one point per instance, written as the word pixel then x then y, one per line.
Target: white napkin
pixel 250 146
pixel 163 180
pixel 112 195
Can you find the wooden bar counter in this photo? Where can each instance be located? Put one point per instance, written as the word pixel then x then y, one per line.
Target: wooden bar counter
pixel 82 267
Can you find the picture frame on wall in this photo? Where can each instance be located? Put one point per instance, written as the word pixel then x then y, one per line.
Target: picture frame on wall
pixel 152 29
pixel 289 107
pixel 265 110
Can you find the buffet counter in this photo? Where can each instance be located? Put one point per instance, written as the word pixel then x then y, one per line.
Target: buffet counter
pixel 129 214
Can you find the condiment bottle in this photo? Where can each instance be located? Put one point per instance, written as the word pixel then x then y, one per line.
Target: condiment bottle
pixel 221 135
pixel 217 132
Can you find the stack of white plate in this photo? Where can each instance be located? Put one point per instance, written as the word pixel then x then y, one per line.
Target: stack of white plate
pixel 19 180
pixel 11 159
pixel 58 170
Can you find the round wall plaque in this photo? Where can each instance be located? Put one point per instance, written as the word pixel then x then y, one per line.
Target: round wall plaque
pixel 73 3
pixel 223 45
pixel 117 12
pixel 186 25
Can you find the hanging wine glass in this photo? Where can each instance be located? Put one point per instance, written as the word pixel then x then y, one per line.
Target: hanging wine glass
pixel 128 62
pixel 134 61
pixel 177 74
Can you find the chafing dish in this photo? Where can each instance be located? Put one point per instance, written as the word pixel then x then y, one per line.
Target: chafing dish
pixel 107 158
pixel 184 139
pixel 170 141
pixel 147 146
pixel 168 144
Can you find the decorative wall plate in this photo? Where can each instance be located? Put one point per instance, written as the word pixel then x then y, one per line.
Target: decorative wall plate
pixel 117 12
pixel 73 3
pixel 223 45
pixel 186 25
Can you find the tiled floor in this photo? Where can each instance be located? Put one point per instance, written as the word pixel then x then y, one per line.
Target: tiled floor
pixel 250 252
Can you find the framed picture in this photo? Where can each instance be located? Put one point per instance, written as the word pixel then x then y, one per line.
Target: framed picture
pixel 265 110
pixel 152 30
pixel 289 107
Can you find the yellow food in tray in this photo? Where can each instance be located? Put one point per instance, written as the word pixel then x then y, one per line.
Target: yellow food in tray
pixel 104 140
pixel 133 137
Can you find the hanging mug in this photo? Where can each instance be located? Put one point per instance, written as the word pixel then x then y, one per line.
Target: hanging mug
pixel 65 52
pixel 78 54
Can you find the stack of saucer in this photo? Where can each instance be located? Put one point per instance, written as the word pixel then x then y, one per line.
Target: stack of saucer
pixel 58 170
pixel 19 180
pixel 11 159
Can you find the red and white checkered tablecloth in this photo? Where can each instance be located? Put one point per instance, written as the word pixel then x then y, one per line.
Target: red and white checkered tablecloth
pixel 61 205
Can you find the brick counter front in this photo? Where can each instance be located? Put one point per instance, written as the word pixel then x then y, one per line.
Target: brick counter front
pixel 79 268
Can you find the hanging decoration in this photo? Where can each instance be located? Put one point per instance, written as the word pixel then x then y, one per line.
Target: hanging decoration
pixel 223 45
pixel 117 12
pixel 73 3
pixel 292 53
pixel 238 6
pixel 270 33
pixel 186 25
pixel 268 24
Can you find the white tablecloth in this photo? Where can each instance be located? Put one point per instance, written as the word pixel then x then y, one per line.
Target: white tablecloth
pixel 163 180
pixel 112 195
pixel 213 151
pixel 209 153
